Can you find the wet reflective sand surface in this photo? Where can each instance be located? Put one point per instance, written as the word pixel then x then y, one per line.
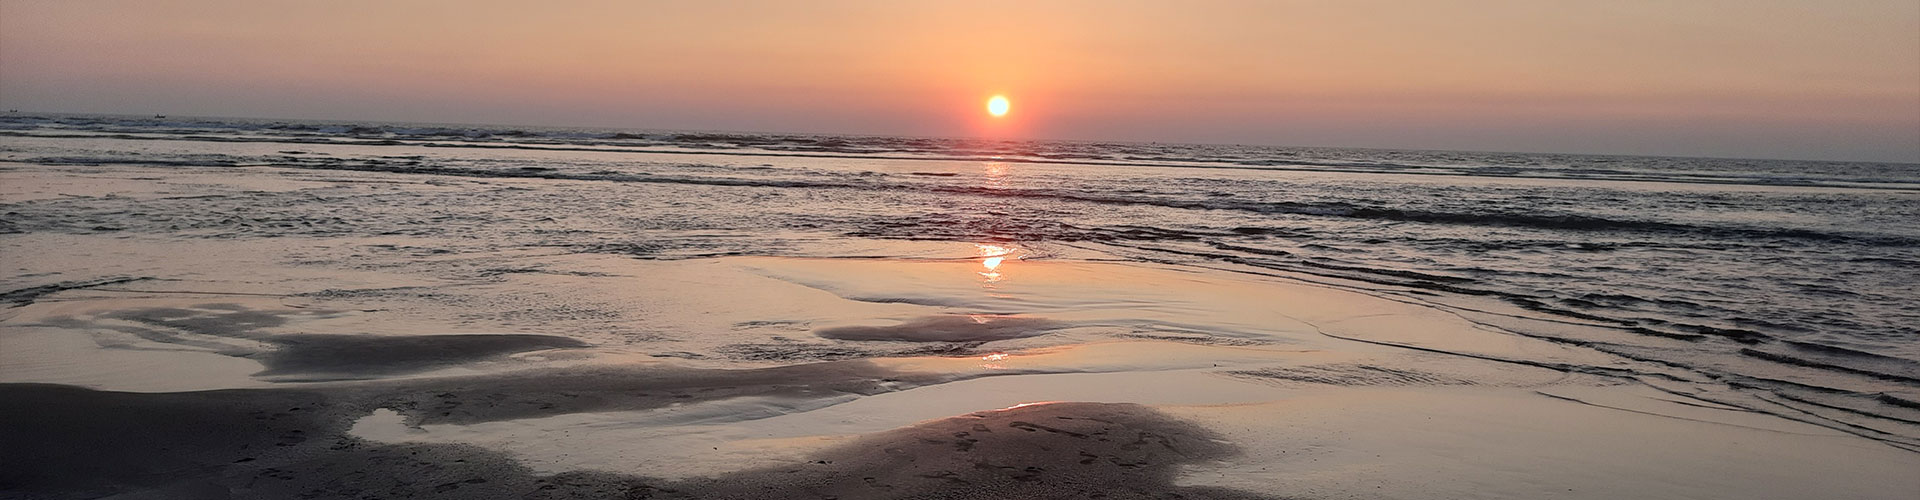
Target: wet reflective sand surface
pixel 472 365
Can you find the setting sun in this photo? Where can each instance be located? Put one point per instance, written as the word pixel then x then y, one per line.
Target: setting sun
pixel 997 106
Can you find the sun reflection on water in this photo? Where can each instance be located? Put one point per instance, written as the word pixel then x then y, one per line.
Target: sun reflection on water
pixel 996 174
pixel 993 257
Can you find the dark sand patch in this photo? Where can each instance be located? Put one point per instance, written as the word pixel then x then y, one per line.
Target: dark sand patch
pixel 222 320
pixel 949 328
pixel 310 357
pixel 1060 450
pixel 802 352
pixel 510 396
pixel 68 442
pixel 313 356
pixel 204 326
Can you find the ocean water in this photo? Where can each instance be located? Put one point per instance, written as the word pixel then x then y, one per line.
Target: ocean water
pixel 1796 281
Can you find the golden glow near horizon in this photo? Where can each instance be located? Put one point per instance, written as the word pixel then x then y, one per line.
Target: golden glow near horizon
pixel 998 105
pixel 1771 78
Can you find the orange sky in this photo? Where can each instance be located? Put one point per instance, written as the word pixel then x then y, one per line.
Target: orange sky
pixel 1761 78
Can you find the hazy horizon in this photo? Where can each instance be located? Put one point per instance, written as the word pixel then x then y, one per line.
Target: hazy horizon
pixel 951 137
pixel 1770 80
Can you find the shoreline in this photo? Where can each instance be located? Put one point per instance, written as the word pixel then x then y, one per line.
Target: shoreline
pixel 538 418
pixel 460 363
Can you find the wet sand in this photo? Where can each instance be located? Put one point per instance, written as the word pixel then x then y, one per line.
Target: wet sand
pixel 293 444
pixel 394 367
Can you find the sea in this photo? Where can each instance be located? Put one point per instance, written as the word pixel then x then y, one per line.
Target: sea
pixel 1794 282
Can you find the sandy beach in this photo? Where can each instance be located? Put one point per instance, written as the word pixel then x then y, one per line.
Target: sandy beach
pixel 394 366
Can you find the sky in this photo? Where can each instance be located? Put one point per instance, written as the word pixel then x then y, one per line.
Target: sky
pixel 1835 79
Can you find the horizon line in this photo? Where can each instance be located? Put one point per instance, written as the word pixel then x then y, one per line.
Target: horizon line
pixel 1916 162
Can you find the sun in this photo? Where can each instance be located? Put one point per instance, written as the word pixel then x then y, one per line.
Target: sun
pixel 998 105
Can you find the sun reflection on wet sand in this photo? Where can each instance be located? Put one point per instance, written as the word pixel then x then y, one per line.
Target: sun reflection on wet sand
pixel 991 361
pixel 992 257
pixel 1024 405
